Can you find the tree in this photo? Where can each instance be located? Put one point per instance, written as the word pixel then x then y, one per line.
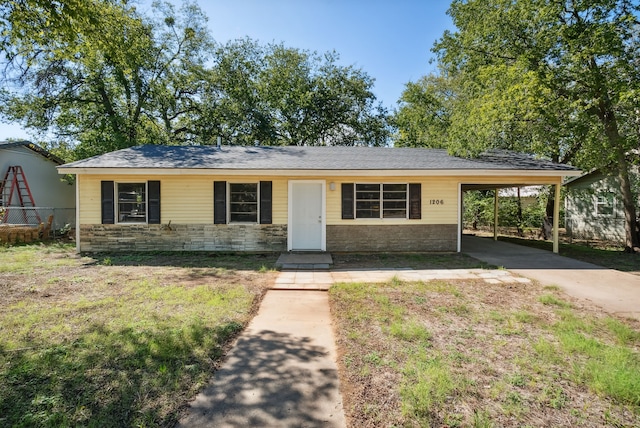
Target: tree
pixel 559 79
pixel 424 116
pixel 99 76
pixel 104 77
pixel 277 95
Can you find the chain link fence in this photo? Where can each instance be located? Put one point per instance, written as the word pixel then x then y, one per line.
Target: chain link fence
pixel 64 219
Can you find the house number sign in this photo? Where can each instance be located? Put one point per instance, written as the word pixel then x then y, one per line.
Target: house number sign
pixel 436 201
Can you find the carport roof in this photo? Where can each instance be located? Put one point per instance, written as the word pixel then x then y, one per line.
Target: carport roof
pixel 326 158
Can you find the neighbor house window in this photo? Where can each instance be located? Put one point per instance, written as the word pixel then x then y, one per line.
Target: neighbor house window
pixel 604 204
pixel 381 200
pixel 132 202
pixel 243 202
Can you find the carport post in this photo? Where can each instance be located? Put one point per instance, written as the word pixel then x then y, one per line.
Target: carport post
pixel 556 217
pixel 495 214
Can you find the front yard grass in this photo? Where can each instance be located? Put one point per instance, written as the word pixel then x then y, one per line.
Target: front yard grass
pixel 93 341
pixel 469 353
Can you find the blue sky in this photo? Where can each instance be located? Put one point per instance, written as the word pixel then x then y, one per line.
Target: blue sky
pixel 390 40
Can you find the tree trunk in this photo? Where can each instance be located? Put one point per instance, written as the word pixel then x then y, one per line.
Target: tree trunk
pixel 630 221
pixel 546 230
pixel 607 116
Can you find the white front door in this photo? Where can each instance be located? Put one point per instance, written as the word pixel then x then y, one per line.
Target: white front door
pixel 306 216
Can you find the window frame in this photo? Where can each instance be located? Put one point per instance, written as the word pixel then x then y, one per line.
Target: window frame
pixel 381 201
pixel 609 203
pixel 117 201
pixel 230 202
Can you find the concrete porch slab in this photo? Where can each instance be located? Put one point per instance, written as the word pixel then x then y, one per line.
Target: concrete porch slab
pixel 304 261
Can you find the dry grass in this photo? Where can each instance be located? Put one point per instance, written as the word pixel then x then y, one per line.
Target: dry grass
pixel 468 353
pixel 94 341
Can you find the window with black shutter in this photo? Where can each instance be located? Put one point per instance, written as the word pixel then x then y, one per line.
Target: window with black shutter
pixel 107 204
pixel 415 201
pixel 348 201
pixel 219 202
pixel 266 216
pixel 153 192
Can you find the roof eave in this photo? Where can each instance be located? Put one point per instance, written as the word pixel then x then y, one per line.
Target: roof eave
pixel 319 172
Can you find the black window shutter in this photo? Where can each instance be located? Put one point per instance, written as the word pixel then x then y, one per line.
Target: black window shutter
pixel 219 202
pixel 347 201
pixel 265 202
pixel 153 195
pixel 415 201
pixel 108 206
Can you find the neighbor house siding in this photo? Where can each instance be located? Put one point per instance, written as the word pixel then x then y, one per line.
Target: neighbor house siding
pixel 51 193
pixel 581 218
pixel 47 186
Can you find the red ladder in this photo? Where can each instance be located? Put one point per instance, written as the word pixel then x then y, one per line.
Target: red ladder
pixel 15 183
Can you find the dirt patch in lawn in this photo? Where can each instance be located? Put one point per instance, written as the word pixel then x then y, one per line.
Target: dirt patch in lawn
pixel 470 353
pixel 66 276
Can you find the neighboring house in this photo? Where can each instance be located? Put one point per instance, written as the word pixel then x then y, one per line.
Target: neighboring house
pixel 593 206
pixel 51 194
pixel 528 195
pixel 286 198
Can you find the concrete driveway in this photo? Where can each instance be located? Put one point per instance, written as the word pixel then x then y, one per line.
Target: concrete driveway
pixel 614 291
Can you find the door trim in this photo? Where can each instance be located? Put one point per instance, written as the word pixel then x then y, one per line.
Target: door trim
pixel 323 196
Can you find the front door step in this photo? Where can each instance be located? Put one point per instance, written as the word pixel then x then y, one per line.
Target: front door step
pixel 304 261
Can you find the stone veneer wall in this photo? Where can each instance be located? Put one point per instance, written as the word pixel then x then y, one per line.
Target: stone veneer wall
pixel 417 237
pixel 177 237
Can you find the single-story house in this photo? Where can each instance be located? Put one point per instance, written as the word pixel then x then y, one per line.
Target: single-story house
pixel 234 198
pixel 593 206
pixel 51 194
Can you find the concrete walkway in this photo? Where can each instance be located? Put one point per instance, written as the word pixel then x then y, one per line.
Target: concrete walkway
pixel 322 280
pixel 281 372
pixel 614 291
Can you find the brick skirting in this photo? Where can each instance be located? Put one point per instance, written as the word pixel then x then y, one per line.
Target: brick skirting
pixel 415 237
pixel 193 237
pixel 263 237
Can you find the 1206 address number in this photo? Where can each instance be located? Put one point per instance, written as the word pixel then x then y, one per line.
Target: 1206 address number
pixel 436 201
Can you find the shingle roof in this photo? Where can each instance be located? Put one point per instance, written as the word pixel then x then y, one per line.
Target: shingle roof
pixel 309 158
pixel 34 147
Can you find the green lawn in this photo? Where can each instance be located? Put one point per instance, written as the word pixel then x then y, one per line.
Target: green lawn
pixel 93 342
pixel 469 353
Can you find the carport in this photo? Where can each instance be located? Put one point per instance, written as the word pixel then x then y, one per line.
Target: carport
pixel 498 184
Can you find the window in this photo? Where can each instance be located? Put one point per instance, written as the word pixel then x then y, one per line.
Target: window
pixel 132 202
pixel 394 200
pixel 243 202
pixel 381 200
pixel 604 204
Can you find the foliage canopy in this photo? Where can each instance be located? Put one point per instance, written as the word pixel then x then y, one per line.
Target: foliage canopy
pixel 559 79
pixel 99 75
